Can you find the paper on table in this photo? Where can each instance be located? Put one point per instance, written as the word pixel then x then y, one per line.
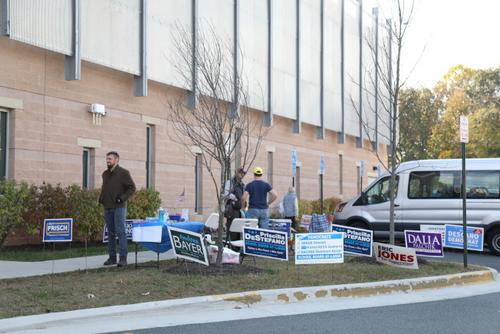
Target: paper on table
pixel 146 233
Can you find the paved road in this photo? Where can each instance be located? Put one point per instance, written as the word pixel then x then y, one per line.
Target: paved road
pixel 480 314
pixel 482 259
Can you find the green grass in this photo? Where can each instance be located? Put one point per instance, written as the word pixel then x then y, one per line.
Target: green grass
pixel 54 252
pixel 114 286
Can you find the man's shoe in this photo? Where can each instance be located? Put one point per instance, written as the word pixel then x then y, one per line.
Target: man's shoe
pixel 111 261
pixel 123 261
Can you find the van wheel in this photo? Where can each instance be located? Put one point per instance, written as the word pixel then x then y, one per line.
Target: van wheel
pixel 494 241
pixel 359 224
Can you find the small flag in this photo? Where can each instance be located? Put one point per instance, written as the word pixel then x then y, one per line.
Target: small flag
pixel 180 199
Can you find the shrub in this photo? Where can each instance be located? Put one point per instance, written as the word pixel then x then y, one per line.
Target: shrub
pixel 28 206
pixel 13 199
pixel 144 203
pixel 307 207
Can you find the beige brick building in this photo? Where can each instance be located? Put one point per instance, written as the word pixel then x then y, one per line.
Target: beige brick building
pixel 51 136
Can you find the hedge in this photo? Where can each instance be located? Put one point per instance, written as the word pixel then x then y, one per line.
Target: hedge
pixel 26 206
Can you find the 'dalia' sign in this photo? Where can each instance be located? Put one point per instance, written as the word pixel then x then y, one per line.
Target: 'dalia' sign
pixel 395 256
pixel 58 230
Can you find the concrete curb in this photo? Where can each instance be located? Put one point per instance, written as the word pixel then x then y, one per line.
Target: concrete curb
pixel 292 295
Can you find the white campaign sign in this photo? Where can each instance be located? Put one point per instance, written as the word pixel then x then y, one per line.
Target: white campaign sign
pixel 433 228
pixel 314 248
pixel 464 129
pixel 396 256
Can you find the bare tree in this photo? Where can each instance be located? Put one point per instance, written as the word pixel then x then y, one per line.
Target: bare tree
pixel 385 82
pixel 219 121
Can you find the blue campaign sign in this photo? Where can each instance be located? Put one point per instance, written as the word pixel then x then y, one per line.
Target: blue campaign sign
pixel 294 163
pixel 322 164
pixel 454 237
pixel 316 248
pixel 357 241
pixel 128 230
pixel 265 243
pixel 58 230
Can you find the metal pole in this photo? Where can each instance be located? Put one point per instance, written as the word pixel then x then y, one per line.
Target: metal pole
pixel 464 205
pixel 321 193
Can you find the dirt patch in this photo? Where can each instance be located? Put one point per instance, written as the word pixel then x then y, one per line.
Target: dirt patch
pixel 190 268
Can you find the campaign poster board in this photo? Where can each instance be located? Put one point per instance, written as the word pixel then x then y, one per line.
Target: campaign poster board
pixel 283 225
pixel 357 241
pixel 395 256
pixel 265 243
pixel 188 245
pixel 454 237
pixel 319 248
pixel 128 230
pixel 425 243
pixel 146 231
pixel 58 230
pixel 433 228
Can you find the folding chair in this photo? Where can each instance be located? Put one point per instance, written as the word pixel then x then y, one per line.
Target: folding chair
pixel 212 224
pixel 237 227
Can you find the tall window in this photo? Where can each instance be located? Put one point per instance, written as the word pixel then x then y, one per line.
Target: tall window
pixel 149 156
pixel 270 168
pixel 341 174
pixel 198 186
pixel 86 164
pixel 3 144
pixel 297 182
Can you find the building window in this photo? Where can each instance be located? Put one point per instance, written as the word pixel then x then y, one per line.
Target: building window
pixel 270 167
pixel 86 164
pixel 341 174
pixel 3 144
pixel 198 186
pixel 149 156
pixel 297 182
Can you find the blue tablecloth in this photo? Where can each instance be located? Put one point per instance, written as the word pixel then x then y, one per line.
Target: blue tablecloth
pixel 165 244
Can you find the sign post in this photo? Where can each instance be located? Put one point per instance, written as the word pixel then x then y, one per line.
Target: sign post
pixel 321 172
pixel 361 173
pixel 464 139
pixel 294 166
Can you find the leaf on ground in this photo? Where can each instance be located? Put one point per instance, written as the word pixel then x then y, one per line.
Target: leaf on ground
pixel 145 293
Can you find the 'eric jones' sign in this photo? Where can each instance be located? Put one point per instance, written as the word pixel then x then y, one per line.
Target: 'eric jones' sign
pixel 395 256
pixel 58 230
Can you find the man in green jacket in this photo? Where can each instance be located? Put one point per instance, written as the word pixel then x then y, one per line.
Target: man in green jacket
pixel 117 187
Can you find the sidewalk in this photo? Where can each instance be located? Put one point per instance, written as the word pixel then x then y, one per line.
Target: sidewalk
pixel 256 304
pixel 13 269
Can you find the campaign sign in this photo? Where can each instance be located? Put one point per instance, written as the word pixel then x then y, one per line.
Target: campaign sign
pixel 357 241
pixel 433 228
pixel 395 256
pixel 128 230
pixel 283 225
pixel 58 230
pixel 188 245
pixel 454 237
pixel 265 243
pixel 425 243
pixel 314 248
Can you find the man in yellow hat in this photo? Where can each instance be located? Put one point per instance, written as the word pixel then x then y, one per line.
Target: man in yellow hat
pixel 259 195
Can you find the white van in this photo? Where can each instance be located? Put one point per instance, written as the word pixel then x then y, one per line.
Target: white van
pixel 429 192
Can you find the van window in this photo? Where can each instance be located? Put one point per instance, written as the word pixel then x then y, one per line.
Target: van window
pixel 439 184
pixel 379 192
pixel 483 184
